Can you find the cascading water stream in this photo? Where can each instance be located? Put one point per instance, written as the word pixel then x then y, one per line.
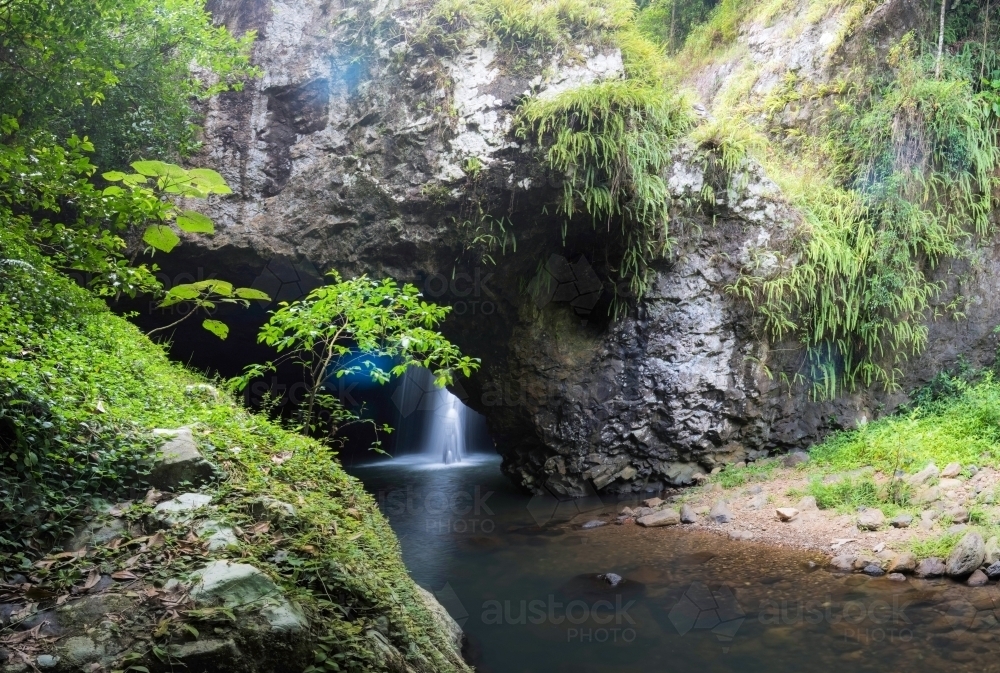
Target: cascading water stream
pixel 433 422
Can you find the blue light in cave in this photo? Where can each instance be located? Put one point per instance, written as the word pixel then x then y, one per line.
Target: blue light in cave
pixel 363 364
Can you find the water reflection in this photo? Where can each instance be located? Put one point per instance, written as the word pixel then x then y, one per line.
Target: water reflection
pixel 521 577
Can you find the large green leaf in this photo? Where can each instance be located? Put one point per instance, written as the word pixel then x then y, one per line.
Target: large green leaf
pixel 113 176
pixel 207 177
pixel 155 169
pixel 161 237
pixel 250 293
pixel 219 287
pixel 180 293
pixel 219 329
pixel 195 223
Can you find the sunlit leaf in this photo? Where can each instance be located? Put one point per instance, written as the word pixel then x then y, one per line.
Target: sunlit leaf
pixel 195 223
pixel 161 237
pixel 219 329
pixel 250 293
pixel 113 176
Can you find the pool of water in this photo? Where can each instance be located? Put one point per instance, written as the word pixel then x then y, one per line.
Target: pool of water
pixel 520 575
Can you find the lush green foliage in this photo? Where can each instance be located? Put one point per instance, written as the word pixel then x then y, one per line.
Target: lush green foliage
pixel 346 328
pixel 906 183
pixel 71 66
pixel 80 390
pixel 670 21
pixel 611 140
pixel 47 195
pixel 733 477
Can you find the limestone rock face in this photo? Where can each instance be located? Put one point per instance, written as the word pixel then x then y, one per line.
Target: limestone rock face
pixel 365 152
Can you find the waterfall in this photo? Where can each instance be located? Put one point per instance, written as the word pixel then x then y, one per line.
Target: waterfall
pixel 438 434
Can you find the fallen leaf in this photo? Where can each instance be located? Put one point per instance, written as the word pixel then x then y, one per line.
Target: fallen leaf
pixel 153 496
pixel 310 549
pixel 262 527
pixel 124 575
pixel 100 407
pixel 157 540
pixel 355 536
pixel 132 561
pixel 38 594
pixel 92 579
pixel 62 599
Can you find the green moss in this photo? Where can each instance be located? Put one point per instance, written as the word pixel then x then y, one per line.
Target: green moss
pixel 85 381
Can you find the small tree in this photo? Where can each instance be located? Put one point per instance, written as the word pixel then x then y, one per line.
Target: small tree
pixel 339 329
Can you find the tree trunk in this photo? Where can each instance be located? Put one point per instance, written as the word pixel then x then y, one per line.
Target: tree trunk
pixel 940 51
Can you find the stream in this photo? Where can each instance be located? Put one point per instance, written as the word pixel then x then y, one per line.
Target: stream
pixel 520 575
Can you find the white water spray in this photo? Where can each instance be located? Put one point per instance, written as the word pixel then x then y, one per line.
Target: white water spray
pixel 437 436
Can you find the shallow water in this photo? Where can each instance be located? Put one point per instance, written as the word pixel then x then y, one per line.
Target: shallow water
pixel 521 579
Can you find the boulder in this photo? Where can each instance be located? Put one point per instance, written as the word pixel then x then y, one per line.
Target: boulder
pixel 925 475
pixel 795 458
pixel 901 520
pixel 688 515
pixel 786 513
pixel 843 562
pixel 217 535
pixel 181 508
pixel 444 620
pixel 951 470
pixel 871 519
pixel 904 562
pixel 179 462
pixel 664 517
pixel 967 556
pixel 720 512
pixel 977 579
pixel 241 585
pixel 930 567
pixel 992 550
pixel 807 504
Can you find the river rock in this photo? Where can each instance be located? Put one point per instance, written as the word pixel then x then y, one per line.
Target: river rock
pixel 688 515
pixel 614 579
pixel 46 661
pixel 593 523
pixel 653 502
pixel 795 458
pixel 925 475
pixel 958 515
pixel 967 556
pixel 664 517
pixel 179 462
pixel 901 520
pixel 873 570
pixel 741 535
pixel 927 495
pixel 904 562
pixel 931 567
pixel 977 579
pixel 217 535
pixel 871 519
pixel 807 504
pixel 627 511
pixel 993 571
pixel 642 511
pixel 720 512
pixel 992 550
pixel 950 484
pixel 271 509
pixel 702 510
pixel 759 501
pixel 951 470
pixel 181 508
pixel 843 562
pixel 896 577
pixel 786 513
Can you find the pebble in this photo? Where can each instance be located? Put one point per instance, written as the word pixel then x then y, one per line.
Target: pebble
pixel 879 547
pixel 627 511
pixel 593 523
pixel 896 577
pixel 925 475
pixel 807 504
pixel 949 484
